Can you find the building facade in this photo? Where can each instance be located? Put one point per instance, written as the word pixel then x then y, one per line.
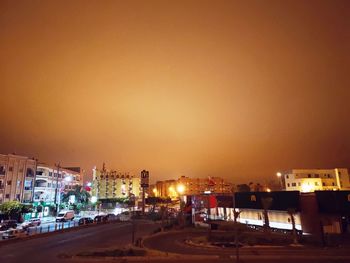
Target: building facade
pixel 310 180
pixel 17 175
pixel 109 184
pixel 51 180
pixel 192 186
pixel 165 188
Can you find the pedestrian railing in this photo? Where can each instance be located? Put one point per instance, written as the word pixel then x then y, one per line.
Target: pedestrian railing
pixel 56 226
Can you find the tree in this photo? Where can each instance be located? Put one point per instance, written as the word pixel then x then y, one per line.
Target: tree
pixel 266 204
pixel 81 195
pixel 291 212
pixel 14 209
pixel 243 188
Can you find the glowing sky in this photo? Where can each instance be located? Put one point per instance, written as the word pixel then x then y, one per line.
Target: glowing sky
pixel 239 89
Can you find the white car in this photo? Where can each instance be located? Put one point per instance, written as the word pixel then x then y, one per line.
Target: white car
pixel 65 216
pixel 31 222
pixel 11 233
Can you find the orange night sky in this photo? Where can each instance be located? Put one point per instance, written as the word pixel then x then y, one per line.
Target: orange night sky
pixel 238 89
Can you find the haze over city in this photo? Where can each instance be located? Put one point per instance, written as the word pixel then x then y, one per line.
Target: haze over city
pixel 239 90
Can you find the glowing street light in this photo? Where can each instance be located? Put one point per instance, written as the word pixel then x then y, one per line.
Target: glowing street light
pixel 180 189
pixel 279 174
pixel 155 192
pixel 93 199
pixel 68 178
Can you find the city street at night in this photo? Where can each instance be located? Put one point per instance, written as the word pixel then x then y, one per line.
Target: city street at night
pixel 174 131
pixel 54 246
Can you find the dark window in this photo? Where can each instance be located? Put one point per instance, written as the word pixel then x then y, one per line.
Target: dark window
pixel 309 175
pixel 7 196
pixel 288 184
pixel 333 184
pixel 30 172
pixel 9 182
pixel 18 197
pixel 50 174
pixel 2 170
pixel 10 168
pixel 21 170
pixel 317 176
pixel 287 176
pixel 294 184
pixel 39 172
pixel 324 184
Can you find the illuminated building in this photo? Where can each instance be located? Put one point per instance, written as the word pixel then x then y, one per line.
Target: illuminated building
pixel 112 184
pixel 192 186
pixel 165 188
pixel 17 175
pixel 310 180
pixel 50 180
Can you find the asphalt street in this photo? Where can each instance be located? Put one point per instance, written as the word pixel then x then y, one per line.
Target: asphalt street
pixel 173 242
pixel 51 248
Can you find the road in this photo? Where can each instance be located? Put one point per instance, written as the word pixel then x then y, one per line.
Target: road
pixel 173 242
pixel 49 248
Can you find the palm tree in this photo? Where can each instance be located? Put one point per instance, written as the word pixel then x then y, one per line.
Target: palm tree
pixel 291 212
pixel 266 203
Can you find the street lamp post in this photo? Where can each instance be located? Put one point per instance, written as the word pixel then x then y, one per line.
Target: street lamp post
pixel 279 175
pixel 56 189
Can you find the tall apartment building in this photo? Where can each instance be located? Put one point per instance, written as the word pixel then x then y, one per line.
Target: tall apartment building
pixel 309 180
pixel 49 178
pixel 192 186
pixel 108 184
pixel 17 175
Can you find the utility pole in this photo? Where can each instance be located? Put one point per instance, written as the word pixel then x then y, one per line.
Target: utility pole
pixel 144 185
pixel 56 189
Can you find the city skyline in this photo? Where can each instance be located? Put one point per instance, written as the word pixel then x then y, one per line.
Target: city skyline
pixel 237 90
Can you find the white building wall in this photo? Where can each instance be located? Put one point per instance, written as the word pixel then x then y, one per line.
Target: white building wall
pixel 309 180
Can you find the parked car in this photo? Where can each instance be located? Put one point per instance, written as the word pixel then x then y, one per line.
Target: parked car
pixel 85 221
pixel 7 224
pixel 31 223
pixel 65 216
pixel 11 233
pixel 125 216
pixel 100 219
pixel 111 217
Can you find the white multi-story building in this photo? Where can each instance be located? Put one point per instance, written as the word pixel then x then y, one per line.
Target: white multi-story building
pixel 51 179
pixel 309 180
pixel 17 174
